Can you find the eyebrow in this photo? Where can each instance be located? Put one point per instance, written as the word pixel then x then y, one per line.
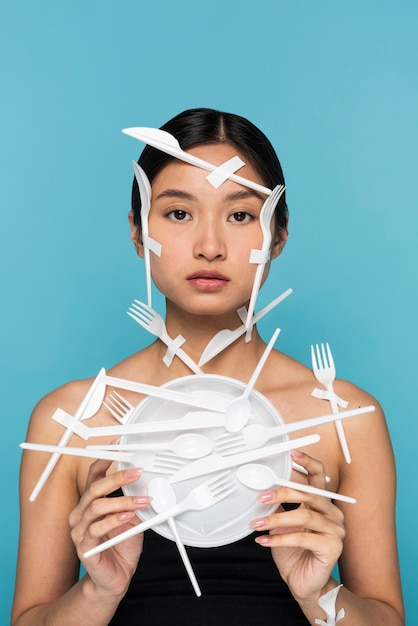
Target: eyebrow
pixel 185 195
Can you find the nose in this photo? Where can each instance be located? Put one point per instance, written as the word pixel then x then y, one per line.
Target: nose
pixel 209 241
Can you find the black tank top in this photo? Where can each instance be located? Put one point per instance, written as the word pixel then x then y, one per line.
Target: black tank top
pixel 240 587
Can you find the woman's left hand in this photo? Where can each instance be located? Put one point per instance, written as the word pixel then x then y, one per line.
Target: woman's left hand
pixel 305 542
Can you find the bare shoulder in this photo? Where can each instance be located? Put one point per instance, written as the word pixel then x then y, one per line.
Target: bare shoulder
pixel 70 395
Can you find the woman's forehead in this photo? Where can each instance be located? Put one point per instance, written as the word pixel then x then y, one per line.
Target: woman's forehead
pixel 184 174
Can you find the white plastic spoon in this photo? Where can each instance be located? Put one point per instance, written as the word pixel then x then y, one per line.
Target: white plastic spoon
pixel 187 446
pixel 238 410
pixel 164 498
pixel 260 477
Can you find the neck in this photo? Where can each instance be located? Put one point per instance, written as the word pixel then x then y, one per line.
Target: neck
pixel 237 360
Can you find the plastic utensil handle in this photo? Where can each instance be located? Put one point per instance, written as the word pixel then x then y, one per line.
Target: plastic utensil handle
pixel 135 530
pixel 312 422
pixel 184 556
pixel 216 403
pixel 260 364
pixel 213 463
pixel 195 420
pixel 83 452
pixel 88 407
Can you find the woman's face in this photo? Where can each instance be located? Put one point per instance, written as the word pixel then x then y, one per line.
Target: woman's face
pixel 206 234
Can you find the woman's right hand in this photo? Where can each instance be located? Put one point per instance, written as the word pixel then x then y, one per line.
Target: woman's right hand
pixel 97 518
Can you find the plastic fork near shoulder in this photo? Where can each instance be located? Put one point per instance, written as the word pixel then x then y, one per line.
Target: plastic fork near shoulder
pixel 323 367
pixel 201 497
pixel 225 337
pixel 152 321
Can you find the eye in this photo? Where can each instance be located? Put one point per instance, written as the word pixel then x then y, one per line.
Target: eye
pixel 179 215
pixel 240 216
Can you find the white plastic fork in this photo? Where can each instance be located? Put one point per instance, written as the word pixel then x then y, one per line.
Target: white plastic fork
pixel 201 497
pixel 152 321
pixel 266 215
pixel 323 367
pixel 119 407
pixel 159 463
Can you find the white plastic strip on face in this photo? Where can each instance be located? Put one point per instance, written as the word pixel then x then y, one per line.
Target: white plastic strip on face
pixel 151 244
pixel 259 256
pixel 224 171
pixel 165 142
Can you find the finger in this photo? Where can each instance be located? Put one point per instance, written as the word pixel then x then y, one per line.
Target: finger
pixel 100 485
pixel 314 467
pixel 302 521
pixel 284 495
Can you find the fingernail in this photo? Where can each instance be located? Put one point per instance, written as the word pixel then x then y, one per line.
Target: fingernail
pixel 127 515
pixel 263 541
pixel 296 454
pixel 267 496
pixel 142 499
pixel 134 473
pixel 259 523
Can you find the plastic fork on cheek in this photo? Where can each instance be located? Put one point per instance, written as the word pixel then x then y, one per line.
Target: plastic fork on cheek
pixel 266 215
pixel 199 498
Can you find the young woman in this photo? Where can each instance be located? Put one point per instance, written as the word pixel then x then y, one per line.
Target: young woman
pixel 278 573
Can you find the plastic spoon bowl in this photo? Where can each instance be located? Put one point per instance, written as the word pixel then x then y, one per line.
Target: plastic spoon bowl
pixel 187 446
pixel 260 477
pixel 238 410
pixel 164 498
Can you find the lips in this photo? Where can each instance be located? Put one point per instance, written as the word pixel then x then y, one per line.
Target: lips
pixel 207 280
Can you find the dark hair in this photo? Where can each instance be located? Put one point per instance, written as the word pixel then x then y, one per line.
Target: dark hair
pixel 207 126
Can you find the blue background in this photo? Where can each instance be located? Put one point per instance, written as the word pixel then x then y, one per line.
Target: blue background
pixel 334 86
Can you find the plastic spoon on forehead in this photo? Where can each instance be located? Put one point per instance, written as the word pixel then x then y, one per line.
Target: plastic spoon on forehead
pixel 238 410
pixel 187 446
pixel 164 141
pixel 260 477
pixel 164 498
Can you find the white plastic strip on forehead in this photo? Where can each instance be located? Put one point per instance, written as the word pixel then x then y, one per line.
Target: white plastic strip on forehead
pixel 224 171
pixel 165 142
